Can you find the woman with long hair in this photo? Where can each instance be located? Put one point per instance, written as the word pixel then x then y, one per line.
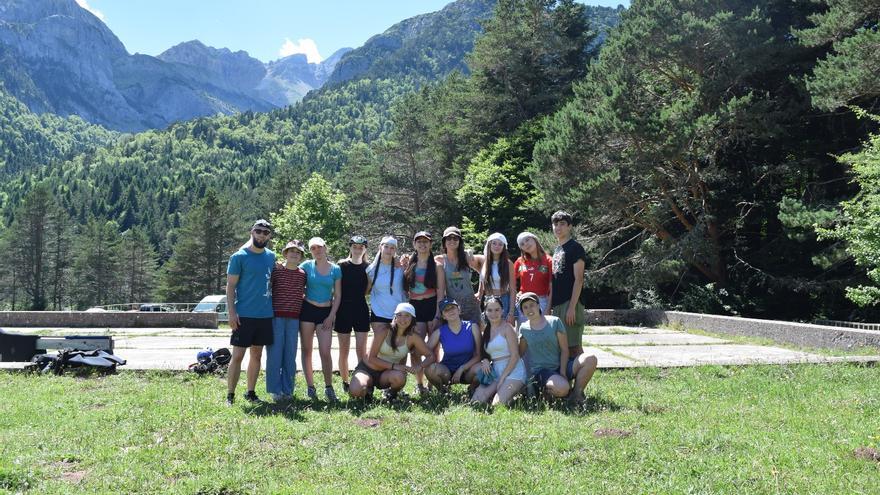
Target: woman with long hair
pixel 460 341
pixel 323 286
pixel 500 353
pixel 382 367
pixel 458 269
pixel 497 277
pixel 353 314
pixel 425 285
pixel 385 284
pixel 534 272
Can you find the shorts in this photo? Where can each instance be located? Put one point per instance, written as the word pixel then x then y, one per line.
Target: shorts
pixel 352 314
pixel 575 333
pixel 541 375
pixel 252 331
pixel 426 309
pixel 313 314
pixel 373 374
pixel 378 319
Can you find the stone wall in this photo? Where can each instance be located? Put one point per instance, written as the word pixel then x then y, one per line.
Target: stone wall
pixel 109 319
pixel 799 334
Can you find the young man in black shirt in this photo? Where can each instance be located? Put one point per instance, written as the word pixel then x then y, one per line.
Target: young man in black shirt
pixel 569 262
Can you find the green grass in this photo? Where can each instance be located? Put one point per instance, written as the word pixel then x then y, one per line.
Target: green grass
pixel 757 429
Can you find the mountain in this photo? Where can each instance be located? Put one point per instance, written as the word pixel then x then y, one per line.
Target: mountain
pixel 287 80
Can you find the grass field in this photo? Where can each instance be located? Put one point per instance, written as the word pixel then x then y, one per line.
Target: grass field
pixel 758 429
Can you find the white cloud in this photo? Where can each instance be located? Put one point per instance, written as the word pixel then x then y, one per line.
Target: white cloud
pixel 305 46
pixel 97 13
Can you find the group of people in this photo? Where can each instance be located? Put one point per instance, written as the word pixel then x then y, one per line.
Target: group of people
pixel 522 325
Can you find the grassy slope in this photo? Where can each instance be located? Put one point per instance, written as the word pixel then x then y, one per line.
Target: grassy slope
pixel 759 429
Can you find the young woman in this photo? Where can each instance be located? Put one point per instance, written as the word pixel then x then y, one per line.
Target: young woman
pixel 497 276
pixel 323 287
pixel 390 347
pixel 460 341
pixel 288 286
pixel 353 314
pixel 534 272
pixel 545 339
pixel 425 285
pixel 458 268
pixel 385 276
pixel 500 352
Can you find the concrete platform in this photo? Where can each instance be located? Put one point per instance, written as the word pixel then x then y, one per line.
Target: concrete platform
pixel 614 346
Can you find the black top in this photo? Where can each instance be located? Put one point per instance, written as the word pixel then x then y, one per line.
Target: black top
pixel 354 281
pixel 564 258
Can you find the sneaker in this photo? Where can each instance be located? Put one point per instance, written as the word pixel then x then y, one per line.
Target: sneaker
pixel 251 397
pixel 422 390
pixel 345 387
pixel 230 399
pixel 311 393
pixel 389 395
pixel 330 394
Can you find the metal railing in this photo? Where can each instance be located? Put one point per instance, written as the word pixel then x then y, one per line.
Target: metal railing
pixel 849 324
pixel 223 316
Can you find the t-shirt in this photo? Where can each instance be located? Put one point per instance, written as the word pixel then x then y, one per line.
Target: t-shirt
pixel 419 288
pixel 384 300
pixel 253 292
pixel 543 347
pixel 288 287
pixel 534 275
pixel 458 348
pixel 354 281
pixel 319 288
pixel 564 258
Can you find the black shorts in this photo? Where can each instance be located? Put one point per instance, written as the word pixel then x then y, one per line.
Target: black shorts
pixel 313 314
pixel 373 374
pixel 252 331
pixel 541 376
pixel 378 319
pixel 354 315
pixel 426 309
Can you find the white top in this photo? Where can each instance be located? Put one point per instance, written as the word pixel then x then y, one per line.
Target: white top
pixel 383 300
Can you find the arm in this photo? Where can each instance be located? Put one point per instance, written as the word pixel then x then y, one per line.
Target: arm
pixel 475 358
pixel 373 360
pixel 511 290
pixel 337 300
pixel 416 342
pixel 575 292
pixel 513 349
pixel 563 354
pixel 550 294
pixel 441 294
pixel 231 282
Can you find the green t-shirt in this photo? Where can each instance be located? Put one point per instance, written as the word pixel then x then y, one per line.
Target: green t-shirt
pixel 543 344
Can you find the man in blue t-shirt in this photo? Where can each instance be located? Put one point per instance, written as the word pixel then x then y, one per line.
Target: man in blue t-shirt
pixel 249 290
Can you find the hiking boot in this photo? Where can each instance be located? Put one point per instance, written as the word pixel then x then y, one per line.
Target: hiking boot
pixel 251 397
pixel 230 399
pixel 389 395
pixel 422 390
pixel 311 393
pixel 330 394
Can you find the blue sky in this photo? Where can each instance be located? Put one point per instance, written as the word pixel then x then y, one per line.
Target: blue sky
pixel 265 29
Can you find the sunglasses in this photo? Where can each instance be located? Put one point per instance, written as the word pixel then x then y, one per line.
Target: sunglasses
pixel 262 231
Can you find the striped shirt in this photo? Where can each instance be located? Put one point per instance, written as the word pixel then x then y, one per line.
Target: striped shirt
pixel 288 288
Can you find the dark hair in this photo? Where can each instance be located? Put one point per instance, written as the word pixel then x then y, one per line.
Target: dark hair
pixel 378 261
pixel 462 255
pixel 487 330
pixel 561 216
pixel 503 274
pixel 430 271
pixel 392 334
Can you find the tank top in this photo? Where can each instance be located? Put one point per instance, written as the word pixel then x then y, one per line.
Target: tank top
pixel 497 347
pixel 496 277
pixel 388 354
pixel 419 288
pixel 458 287
pixel 457 348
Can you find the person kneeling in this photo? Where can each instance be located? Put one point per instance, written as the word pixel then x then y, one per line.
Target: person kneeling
pixel 389 348
pixel 460 341
pixel 503 371
pixel 544 337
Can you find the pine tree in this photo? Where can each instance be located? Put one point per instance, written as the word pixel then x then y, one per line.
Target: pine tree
pixel 97 278
pixel 139 266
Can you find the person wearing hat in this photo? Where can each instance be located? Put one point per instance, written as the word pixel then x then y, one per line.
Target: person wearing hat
pixel 249 290
pixel 288 288
pixel 460 341
pixel 545 340
pixel 353 314
pixel 385 276
pixel 533 270
pixel 497 277
pixel 425 285
pixel 323 285
pixel 382 367
pixel 458 269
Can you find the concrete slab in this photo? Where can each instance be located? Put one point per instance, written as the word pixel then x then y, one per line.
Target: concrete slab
pixel 671 338
pixel 727 354
pixel 620 329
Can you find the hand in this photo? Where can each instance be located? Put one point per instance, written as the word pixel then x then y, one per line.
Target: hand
pixel 328 323
pixel 404 261
pixel 457 376
pixel 511 319
pixel 431 325
pixel 569 315
pixel 485 366
pixel 234 322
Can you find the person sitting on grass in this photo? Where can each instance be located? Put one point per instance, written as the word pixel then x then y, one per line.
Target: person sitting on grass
pixel 460 341
pixel 500 352
pixel 389 349
pixel 545 339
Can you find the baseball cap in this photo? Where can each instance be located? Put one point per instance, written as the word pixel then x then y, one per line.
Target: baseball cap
pixel 527 296
pixel 316 241
pixel 405 308
pixel 422 233
pixel 357 239
pixel 294 244
pixel 452 231
pixel 446 302
pixel 262 223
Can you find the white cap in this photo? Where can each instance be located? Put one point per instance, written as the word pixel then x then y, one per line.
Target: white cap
pixel 316 241
pixel 497 236
pixel 523 236
pixel 405 308
pixel 390 240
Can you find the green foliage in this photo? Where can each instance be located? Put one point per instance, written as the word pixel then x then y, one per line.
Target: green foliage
pixel 140 266
pixel 97 261
pixel 318 210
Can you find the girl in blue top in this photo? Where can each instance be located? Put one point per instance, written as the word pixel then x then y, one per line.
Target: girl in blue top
pixel 460 341
pixel 323 288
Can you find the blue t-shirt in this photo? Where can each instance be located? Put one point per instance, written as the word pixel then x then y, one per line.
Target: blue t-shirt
pixel 319 288
pixel 253 292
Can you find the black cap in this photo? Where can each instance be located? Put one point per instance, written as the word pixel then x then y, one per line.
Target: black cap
pixel 262 223
pixel 357 239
